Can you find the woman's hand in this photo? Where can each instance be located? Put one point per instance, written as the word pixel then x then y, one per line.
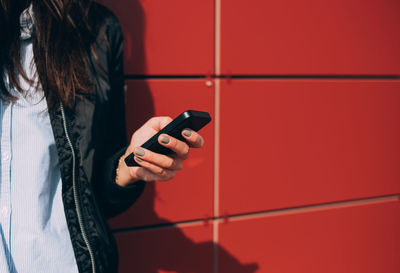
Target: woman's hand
pixel 156 166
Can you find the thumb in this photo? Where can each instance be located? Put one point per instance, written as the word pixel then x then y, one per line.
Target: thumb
pixel 157 123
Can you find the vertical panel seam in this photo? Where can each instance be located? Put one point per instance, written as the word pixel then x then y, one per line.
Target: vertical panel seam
pixel 217 38
pixel 217 67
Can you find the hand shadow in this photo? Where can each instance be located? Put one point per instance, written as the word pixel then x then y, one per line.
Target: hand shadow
pixel 162 246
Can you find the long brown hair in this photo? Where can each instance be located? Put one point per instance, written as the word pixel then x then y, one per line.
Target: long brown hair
pixel 61 39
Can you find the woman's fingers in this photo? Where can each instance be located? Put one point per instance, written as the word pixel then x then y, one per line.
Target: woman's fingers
pixel 147 175
pixel 180 148
pixel 195 140
pixel 158 161
pixel 154 166
pixel 157 123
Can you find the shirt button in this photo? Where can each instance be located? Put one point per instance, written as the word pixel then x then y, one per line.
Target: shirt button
pixel 6 156
pixel 3 212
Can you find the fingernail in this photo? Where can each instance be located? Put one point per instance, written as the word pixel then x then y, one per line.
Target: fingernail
pixel 187 132
pixel 139 152
pixel 165 139
pixel 138 159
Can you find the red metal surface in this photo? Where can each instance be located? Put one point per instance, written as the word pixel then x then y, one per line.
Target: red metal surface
pixel 190 194
pixel 174 37
pixel 363 238
pixel 298 142
pixel 165 250
pixel 283 143
pixel 310 37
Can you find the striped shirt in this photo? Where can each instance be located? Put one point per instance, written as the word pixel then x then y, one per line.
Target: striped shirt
pixel 34 235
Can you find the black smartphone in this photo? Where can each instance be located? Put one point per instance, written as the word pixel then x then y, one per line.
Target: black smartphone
pixel 191 119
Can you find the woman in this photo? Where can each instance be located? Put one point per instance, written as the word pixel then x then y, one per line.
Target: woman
pixel 63 137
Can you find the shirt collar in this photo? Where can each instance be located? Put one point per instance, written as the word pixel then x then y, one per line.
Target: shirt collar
pixel 26 23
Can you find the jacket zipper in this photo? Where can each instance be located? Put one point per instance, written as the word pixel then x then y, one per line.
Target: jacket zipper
pixel 76 198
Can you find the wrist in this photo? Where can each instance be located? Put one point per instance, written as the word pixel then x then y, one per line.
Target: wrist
pixel 122 174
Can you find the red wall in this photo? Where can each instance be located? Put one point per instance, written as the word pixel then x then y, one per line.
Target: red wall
pixel 301 167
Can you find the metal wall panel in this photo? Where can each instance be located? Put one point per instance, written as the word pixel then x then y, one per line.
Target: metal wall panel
pixel 174 37
pixel 190 194
pixel 313 37
pixel 355 238
pixel 299 142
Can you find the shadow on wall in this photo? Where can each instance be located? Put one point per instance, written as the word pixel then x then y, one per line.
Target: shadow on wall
pixel 165 249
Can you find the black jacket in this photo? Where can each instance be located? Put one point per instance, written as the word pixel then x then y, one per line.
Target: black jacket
pixel 90 140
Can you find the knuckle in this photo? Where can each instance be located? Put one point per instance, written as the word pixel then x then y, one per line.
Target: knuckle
pixel 173 142
pixel 170 164
pixel 186 151
pixel 198 141
pixel 148 156
pixel 160 172
pixel 164 175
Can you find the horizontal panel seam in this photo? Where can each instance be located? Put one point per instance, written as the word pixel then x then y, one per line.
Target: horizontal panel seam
pixel 239 76
pixel 274 212
pixel 317 207
pixel 255 77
